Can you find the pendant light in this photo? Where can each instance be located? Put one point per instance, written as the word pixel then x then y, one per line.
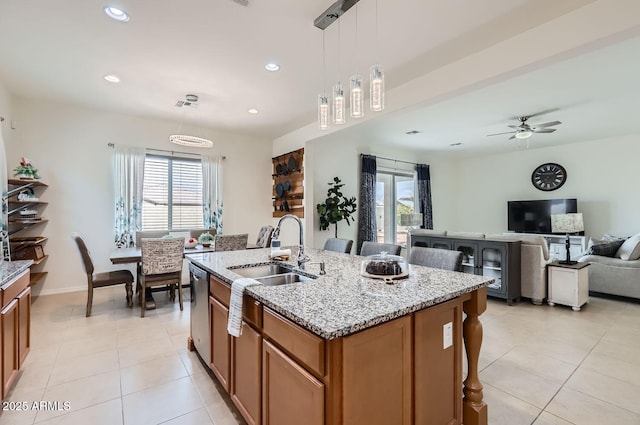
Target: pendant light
pixel 323 101
pixel 338 93
pixel 376 79
pixel 356 98
pixel 187 140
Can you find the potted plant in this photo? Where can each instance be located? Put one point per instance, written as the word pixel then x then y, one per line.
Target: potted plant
pixel 336 207
pixel 206 239
pixel 26 170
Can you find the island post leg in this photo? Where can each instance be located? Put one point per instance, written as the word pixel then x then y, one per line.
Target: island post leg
pixel 474 409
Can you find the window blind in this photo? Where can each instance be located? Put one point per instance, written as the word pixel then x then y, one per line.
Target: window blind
pixel 172 194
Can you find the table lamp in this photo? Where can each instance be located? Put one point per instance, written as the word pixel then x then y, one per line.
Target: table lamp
pixel 411 220
pixel 567 223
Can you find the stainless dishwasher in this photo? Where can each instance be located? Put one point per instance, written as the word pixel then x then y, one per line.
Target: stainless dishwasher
pixel 200 311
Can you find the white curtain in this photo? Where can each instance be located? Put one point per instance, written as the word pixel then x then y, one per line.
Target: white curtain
pixel 212 192
pixel 128 172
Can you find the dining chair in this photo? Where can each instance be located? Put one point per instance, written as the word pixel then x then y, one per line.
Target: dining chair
pixel 371 248
pixel 338 245
pixel 231 242
pixel 99 280
pixel 264 236
pixel 161 266
pixel 149 234
pixel 195 233
pixel 437 258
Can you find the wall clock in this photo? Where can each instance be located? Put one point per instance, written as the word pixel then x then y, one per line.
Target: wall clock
pixel 549 176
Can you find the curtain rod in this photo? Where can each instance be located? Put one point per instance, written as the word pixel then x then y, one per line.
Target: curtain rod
pixel 112 145
pixel 390 159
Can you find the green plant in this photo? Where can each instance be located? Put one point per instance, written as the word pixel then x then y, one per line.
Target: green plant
pixel 336 207
pixel 206 238
pixel 26 170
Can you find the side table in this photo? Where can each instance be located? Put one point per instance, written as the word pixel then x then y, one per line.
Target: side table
pixel 568 284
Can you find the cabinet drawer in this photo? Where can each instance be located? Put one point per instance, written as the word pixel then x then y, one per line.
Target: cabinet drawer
pixel 12 290
pixel 251 308
pixel 221 291
pixel 300 343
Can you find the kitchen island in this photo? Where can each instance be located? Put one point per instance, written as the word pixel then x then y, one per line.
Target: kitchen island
pixel 344 349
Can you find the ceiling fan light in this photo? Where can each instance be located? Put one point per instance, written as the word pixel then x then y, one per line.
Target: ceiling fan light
pixel 524 134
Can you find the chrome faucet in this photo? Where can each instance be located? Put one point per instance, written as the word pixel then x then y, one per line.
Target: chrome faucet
pixel 302 257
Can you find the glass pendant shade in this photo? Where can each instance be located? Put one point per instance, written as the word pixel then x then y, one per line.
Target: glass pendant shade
pixel 338 104
pixel 376 88
pixel 357 98
pixel 323 112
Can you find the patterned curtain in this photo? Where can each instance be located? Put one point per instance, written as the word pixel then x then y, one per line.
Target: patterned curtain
pixel 212 192
pixel 424 196
pixel 367 201
pixel 128 172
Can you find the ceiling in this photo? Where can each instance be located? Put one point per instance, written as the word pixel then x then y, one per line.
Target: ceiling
pixel 217 50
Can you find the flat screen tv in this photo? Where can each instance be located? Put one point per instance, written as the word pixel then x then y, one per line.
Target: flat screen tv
pixel 535 216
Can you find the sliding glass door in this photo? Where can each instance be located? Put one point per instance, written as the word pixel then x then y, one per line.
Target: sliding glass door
pixel 395 194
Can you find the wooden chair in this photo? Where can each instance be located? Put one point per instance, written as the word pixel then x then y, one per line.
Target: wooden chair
pixel 264 236
pixel 161 265
pixel 99 280
pixel 231 242
pixel 371 248
pixel 437 258
pixel 338 245
pixel 149 234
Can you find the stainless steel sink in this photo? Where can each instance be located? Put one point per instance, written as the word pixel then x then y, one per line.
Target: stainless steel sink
pixel 271 274
pixel 283 279
pixel 261 270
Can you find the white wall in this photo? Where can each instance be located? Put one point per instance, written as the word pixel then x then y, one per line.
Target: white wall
pixel 69 146
pixel 601 174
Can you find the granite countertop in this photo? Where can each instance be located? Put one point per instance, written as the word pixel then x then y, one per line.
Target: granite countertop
pixel 342 301
pixel 11 269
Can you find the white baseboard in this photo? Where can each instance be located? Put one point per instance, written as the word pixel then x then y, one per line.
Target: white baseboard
pixel 62 290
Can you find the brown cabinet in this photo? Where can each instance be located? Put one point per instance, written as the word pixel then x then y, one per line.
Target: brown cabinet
pixel 290 394
pixel 438 341
pixel 246 371
pixel 220 342
pixel 9 325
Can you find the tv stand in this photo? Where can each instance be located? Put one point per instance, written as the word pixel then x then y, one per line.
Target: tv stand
pixel 557 247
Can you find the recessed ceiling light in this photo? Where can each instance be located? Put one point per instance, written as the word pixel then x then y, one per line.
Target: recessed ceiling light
pixel 253 111
pixel 116 13
pixel 112 78
pixel 272 67
pixel 412 132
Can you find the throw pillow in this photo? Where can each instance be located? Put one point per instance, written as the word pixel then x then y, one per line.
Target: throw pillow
pixel 606 249
pixel 630 249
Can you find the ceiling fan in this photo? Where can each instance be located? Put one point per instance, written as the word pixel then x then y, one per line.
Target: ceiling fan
pixel 524 130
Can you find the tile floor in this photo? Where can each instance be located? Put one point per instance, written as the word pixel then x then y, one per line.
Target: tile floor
pixel 539 365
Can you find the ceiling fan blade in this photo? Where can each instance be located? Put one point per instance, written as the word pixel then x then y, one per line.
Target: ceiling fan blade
pixel 512 137
pixel 546 130
pixel 515 126
pixel 498 134
pixel 537 114
pixel 547 124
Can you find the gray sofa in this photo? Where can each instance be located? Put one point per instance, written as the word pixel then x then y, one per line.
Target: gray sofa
pixel 618 274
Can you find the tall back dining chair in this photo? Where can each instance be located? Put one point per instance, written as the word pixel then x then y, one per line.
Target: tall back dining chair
pixel 371 248
pixel 231 242
pixel 338 245
pixel 264 236
pixel 99 280
pixel 149 234
pixel 437 258
pixel 161 265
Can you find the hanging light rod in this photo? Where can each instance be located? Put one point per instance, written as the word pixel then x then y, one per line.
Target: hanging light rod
pixel 332 14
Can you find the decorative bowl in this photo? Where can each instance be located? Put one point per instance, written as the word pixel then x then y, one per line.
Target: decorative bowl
pixel 190 243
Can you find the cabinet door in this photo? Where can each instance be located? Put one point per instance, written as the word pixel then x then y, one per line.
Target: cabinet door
pixel 438 364
pixel 470 257
pixel 220 342
pixel 493 261
pixel 9 341
pixel 246 366
pixel 24 325
pixel 291 395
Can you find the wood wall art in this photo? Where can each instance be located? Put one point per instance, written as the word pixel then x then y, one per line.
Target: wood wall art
pixel 288 184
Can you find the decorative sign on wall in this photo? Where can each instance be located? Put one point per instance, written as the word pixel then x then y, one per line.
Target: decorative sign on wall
pixel 288 184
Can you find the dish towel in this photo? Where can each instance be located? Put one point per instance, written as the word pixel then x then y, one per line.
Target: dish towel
pixel 234 324
pixel 280 253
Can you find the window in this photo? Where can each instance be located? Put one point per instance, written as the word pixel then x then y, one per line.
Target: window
pixel 172 193
pixel 395 194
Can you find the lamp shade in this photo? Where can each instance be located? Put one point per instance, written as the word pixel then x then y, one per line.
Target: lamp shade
pixel 567 223
pixel 411 219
